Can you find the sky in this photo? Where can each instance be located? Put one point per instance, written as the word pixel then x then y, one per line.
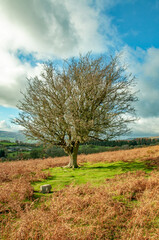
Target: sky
pixel 34 31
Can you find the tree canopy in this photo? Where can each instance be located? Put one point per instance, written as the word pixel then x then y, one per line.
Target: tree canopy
pixel 81 99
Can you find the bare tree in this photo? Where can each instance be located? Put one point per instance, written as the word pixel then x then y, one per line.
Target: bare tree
pixel 83 99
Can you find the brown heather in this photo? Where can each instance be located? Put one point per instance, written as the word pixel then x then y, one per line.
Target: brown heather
pixel 30 169
pixel 13 195
pixel 126 207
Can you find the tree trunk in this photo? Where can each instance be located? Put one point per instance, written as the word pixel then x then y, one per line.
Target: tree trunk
pixel 73 157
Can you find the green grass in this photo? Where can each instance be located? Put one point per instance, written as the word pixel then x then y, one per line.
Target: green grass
pixel 87 149
pixel 7 139
pixel 8 143
pixel 14 154
pixel 93 173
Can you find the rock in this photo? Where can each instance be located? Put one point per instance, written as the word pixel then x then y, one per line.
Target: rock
pixel 45 188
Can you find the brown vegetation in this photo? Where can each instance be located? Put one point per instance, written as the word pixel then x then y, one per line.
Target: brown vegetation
pixel 125 207
pixel 146 153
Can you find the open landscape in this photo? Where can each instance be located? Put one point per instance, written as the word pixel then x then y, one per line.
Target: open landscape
pixel 79 120
pixel 112 195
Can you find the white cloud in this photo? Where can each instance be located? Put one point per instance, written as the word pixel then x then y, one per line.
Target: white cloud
pixel 54 27
pixel 63 28
pixel 47 29
pixel 147 127
pixel 4 126
pixel 13 77
pixel 144 64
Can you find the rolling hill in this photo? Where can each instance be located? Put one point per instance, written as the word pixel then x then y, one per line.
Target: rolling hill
pixel 12 136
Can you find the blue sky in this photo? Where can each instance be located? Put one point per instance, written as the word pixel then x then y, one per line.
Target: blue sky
pixel 137 22
pixel 35 31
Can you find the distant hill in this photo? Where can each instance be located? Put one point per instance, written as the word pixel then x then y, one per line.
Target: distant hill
pixel 157 137
pixel 12 136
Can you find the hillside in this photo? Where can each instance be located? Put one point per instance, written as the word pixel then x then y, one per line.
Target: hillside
pixel 113 195
pixel 12 136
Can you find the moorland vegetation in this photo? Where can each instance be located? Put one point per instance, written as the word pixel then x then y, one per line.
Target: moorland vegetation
pixel 113 195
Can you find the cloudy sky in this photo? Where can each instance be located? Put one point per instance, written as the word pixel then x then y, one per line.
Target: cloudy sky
pixel 34 31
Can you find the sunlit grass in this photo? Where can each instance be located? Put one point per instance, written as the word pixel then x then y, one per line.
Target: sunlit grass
pixel 92 173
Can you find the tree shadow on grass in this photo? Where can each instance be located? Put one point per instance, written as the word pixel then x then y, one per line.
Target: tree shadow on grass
pixel 126 166
pixel 91 172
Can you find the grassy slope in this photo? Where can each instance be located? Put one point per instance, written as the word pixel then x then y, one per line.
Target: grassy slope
pixel 93 173
pixel 122 203
pixel 8 143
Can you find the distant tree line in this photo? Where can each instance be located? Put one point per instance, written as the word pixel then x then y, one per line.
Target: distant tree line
pixel 2 153
pixel 133 142
pixel 86 148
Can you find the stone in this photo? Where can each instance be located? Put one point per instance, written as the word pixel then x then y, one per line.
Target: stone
pixel 45 188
